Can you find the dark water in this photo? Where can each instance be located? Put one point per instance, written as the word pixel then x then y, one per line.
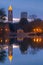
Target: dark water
pixel 22 51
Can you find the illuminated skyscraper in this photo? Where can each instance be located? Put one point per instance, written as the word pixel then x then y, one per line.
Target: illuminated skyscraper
pixel 10 14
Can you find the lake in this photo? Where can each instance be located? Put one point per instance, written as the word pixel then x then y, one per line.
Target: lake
pixel 22 51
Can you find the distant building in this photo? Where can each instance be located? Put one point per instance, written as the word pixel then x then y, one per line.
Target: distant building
pixel 23 14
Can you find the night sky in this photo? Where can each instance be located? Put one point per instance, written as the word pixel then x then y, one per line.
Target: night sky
pixel 30 6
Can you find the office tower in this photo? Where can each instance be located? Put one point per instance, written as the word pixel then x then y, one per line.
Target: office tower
pixel 24 15
pixel 10 14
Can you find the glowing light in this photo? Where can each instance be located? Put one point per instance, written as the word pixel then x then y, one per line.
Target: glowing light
pixel 20 39
pixel 34 39
pixel 20 31
pixel 40 39
pixel 6 40
pixel 10 57
pixel 10 8
pixel 37 39
pixel 37 30
pixel 6 29
pixel 1 40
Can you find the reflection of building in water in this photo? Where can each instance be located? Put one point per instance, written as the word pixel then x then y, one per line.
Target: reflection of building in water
pixel 5 40
pixel 20 31
pixel 1 40
pixel 10 52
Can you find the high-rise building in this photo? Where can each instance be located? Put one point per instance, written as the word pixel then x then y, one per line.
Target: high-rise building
pixel 10 14
pixel 23 14
pixel 10 52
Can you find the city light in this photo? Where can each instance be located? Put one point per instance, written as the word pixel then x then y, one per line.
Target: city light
pixel 1 40
pixel 10 57
pixel 37 30
pixel 37 39
pixel 6 29
pixel 6 40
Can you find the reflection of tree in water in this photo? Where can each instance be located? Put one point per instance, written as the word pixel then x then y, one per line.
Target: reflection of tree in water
pixel 27 44
pixel 33 51
pixel 2 54
pixel 24 46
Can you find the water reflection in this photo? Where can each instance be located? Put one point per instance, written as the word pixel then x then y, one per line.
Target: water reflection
pixel 32 44
pixel 2 54
pixel 37 39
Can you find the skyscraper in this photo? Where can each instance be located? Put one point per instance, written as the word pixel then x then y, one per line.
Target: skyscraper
pixel 10 14
pixel 24 15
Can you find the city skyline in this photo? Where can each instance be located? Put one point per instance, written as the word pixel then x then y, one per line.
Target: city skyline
pixel 30 6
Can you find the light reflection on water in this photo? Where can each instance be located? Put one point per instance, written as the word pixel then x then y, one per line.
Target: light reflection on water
pixel 28 51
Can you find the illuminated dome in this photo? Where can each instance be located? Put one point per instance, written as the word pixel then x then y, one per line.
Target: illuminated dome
pixel 10 57
pixel 10 8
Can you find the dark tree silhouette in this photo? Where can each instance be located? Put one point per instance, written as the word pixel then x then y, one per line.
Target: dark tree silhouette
pixel 2 15
pixel 33 16
pixel 2 56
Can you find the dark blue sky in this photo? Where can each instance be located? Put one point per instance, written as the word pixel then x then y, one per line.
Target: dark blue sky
pixel 31 6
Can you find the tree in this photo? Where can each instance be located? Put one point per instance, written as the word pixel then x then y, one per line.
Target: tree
pixel 2 15
pixel 2 54
pixel 33 16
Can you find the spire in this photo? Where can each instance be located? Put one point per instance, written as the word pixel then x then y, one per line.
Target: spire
pixel 10 8
pixel 10 57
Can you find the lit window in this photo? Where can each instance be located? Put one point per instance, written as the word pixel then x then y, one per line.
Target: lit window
pixel 1 40
pixel 37 30
pixel 37 39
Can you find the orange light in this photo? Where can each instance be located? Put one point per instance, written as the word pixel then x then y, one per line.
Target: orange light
pixel 10 8
pixel 6 29
pixel 20 31
pixel 34 40
pixel 37 39
pixel 40 30
pixel 37 30
pixel 34 30
pixel 10 57
pixel 7 40
pixel 40 39
pixel 20 39
pixel 1 40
